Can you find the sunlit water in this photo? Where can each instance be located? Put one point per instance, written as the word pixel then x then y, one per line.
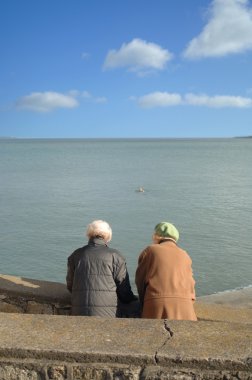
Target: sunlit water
pixel 51 189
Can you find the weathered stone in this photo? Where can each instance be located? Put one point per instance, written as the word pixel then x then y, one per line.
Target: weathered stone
pixel 90 338
pixel 56 347
pixel 12 372
pixel 215 312
pixel 106 372
pixel 212 345
pixel 232 307
pixel 87 373
pixel 170 373
pixel 53 292
pixel 60 310
pixel 38 308
pixel 58 372
pixel 126 374
pixel 6 307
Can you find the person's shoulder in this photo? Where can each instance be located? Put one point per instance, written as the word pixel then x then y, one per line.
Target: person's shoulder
pixel 152 246
pixel 185 254
pixel 148 250
pixel 116 253
pixel 77 251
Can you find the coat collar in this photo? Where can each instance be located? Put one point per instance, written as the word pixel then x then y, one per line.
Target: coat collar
pixel 168 240
pixel 97 241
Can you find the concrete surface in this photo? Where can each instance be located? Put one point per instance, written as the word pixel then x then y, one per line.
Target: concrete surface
pixel 240 298
pixel 35 289
pixel 200 345
pixel 57 347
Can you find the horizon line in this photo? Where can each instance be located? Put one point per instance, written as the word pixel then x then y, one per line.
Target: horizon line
pixel 122 138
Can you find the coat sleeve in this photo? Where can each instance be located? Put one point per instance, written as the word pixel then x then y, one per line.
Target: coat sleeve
pixel 141 275
pixel 193 293
pixel 121 278
pixel 189 275
pixel 70 273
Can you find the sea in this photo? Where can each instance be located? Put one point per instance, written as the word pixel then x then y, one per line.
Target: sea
pixel 51 189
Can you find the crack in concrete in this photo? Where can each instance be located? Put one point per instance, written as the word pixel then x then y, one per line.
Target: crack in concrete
pixel 167 328
pixel 170 335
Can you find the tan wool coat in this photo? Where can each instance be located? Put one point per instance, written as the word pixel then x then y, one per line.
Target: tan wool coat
pixel 165 283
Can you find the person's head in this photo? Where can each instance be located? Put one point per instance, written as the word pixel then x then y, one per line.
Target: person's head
pixel 165 231
pixel 99 228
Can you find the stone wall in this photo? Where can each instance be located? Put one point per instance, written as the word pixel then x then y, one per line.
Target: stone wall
pixel 29 296
pixel 46 347
pixel 38 341
pixel 24 295
pixel 63 371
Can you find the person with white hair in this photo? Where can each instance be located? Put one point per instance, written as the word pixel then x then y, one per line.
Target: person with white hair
pixel 97 275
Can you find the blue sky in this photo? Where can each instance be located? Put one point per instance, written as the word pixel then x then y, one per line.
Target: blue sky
pixel 132 68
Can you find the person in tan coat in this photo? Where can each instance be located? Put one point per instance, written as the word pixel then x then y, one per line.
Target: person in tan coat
pixel 164 277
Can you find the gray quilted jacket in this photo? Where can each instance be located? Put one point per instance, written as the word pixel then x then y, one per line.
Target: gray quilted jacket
pixel 98 279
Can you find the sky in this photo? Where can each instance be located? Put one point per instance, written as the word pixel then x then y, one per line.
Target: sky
pixel 125 68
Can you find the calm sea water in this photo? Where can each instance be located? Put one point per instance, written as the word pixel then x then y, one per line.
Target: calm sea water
pixel 51 189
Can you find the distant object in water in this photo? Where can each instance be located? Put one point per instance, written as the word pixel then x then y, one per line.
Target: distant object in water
pixel 140 190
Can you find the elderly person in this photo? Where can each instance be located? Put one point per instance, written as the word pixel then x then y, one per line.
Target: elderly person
pixel 97 275
pixel 164 277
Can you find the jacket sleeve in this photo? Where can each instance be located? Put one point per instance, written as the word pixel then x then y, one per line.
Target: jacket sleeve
pixel 70 273
pixel 121 278
pixel 141 274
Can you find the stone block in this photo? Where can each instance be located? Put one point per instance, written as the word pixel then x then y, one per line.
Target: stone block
pixel 216 345
pixel 62 310
pixel 57 372
pixel 87 373
pixel 171 373
pixel 6 307
pixel 12 372
pixel 38 308
pixel 106 372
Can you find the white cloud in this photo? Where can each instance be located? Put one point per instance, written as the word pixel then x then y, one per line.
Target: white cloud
pixel 228 31
pixel 96 99
pixel 138 55
pixel 74 93
pixel 86 95
pixel 47 101
pixel 166 99
pixel 159 99
pixel 218 101
pixel 101 99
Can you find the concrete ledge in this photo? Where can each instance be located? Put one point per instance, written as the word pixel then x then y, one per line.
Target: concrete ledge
pixel 29 296
pixel 59 347
pixel 239 299
pixel 34 289
pixel 222 313
pixel 24 295
pixel 39 343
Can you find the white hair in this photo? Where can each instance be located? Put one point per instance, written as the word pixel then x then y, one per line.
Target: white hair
pixel 99 228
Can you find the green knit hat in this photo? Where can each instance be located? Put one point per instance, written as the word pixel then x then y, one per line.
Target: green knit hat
pixel 167 230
